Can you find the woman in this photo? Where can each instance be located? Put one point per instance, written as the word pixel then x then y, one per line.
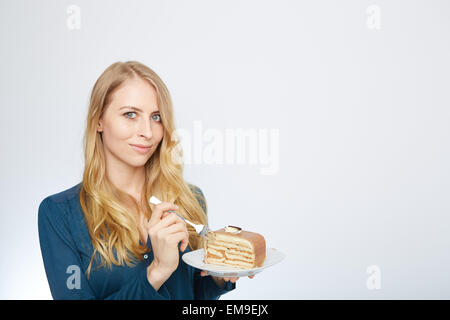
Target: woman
pixel 101 239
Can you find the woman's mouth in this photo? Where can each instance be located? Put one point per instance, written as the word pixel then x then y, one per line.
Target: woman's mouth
pixel 141 148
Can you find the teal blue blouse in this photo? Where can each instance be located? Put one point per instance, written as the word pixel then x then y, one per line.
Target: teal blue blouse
pixel 67 249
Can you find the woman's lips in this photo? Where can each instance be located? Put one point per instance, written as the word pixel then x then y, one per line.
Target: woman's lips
pixel 139 149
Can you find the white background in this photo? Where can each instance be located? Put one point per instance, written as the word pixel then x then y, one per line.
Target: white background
pixel 363 118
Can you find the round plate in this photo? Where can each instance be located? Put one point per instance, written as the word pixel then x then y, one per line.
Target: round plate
pixel 195 259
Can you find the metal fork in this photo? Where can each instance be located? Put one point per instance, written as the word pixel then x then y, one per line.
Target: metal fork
pixel 201 229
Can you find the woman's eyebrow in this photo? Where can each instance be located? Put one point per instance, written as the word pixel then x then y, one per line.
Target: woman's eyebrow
pixel 136 109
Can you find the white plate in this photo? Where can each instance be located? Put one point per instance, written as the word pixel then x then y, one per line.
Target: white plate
pixel 195 259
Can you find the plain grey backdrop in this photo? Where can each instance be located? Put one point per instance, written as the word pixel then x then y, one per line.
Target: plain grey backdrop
pixel 358 92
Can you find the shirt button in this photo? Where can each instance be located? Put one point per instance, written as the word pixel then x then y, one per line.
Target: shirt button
pixel 145 256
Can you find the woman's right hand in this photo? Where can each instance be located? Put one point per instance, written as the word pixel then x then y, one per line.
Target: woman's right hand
pixel 166 230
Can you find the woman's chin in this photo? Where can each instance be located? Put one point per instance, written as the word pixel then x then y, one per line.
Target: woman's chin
pixel 138 163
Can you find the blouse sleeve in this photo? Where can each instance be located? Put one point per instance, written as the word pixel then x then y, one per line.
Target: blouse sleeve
pixel 63 264
pixel 205 288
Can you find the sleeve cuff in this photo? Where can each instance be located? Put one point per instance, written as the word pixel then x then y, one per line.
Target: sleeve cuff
pixel 220 291
pixel 161 294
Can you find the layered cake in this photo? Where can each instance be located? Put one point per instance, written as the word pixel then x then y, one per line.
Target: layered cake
pixel 233 247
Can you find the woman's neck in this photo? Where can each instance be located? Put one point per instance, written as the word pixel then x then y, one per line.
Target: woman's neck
pixel 126 178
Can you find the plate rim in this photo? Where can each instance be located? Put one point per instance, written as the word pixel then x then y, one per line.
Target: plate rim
pixel 235 270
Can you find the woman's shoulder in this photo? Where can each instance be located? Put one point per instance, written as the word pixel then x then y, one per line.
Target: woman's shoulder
pixel 198 193
pixel 196 190
pixel 60 202
pixel 68 194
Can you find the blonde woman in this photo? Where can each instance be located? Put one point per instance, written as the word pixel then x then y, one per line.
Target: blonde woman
pixel 101 239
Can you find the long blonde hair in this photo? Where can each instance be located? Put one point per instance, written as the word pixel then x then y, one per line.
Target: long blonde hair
pixel 109 212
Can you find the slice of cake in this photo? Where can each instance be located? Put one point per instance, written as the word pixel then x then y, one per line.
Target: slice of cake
pixel 233 247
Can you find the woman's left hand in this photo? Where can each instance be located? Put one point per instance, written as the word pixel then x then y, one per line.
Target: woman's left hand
pixel 218 280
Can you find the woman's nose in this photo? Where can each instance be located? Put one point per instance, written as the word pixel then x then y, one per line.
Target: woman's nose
pixel 145 129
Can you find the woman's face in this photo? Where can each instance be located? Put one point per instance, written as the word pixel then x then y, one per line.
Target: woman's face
pixel 122 126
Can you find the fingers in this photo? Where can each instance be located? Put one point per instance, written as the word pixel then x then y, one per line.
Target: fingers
pixel 204 273
pixel 165 218
pixel 183 233
pixel 179 228
pixel 169 225
pixel 169 220
pixel 165 214
pixel 164 223
pixel 176 227
pixel 177 237
pixel 159 210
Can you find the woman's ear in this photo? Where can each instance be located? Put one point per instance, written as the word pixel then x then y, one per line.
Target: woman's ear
pixel 100 125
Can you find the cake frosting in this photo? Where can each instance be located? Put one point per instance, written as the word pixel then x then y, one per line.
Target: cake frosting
pixel 232 229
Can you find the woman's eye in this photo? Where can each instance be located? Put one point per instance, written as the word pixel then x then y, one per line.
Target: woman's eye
pixel 155 117
pixel 125 114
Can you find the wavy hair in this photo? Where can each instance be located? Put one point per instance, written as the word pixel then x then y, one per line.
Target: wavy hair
pixel 111 213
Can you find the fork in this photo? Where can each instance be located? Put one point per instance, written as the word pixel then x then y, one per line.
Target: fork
pixel 201 229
